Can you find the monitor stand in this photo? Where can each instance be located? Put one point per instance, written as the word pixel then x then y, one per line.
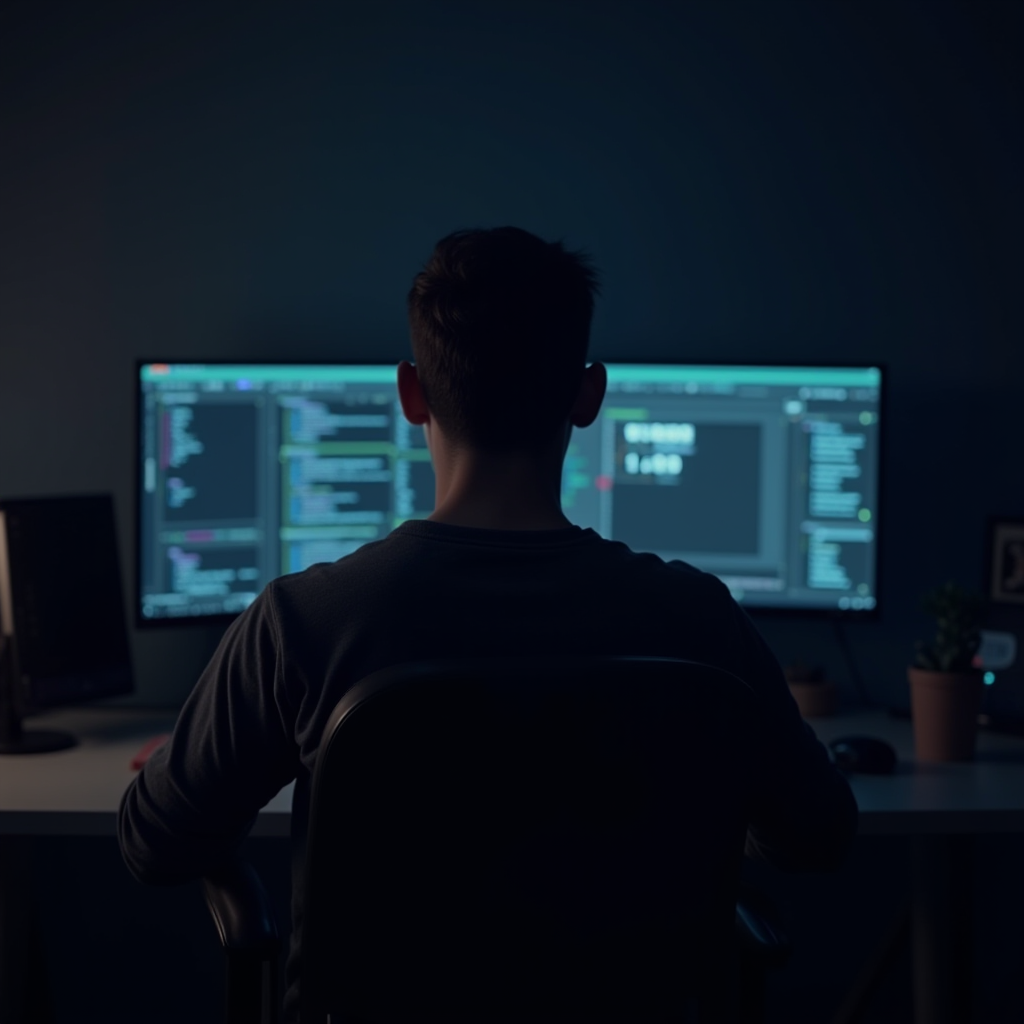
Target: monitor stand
pixel 14 739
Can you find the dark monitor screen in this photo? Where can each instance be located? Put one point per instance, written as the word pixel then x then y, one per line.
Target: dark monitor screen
pixel 767 476
pixel 61 600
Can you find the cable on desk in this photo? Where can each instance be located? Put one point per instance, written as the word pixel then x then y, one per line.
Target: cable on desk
pixel 858 679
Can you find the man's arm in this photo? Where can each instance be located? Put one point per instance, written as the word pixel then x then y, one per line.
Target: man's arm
pixel 806 814
pixel 231 752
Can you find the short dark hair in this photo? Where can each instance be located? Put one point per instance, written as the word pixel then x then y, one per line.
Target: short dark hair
pixel 493 296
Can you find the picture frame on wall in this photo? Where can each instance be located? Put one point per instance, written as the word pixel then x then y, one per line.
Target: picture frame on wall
pixel 1006 561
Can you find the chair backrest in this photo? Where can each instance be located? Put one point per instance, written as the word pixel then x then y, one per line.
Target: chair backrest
pixel 526 839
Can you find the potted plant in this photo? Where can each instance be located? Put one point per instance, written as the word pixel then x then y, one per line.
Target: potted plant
pixel 815 695
pixel 945 687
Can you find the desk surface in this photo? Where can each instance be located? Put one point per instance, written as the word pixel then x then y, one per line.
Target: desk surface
pixel 77 791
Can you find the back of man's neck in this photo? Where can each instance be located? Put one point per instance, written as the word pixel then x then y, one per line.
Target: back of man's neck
pixel 483 518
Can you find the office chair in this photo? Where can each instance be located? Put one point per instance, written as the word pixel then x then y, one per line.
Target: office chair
pixel 521 840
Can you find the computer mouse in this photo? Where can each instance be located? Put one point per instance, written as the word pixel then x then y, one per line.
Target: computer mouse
pixel 863 754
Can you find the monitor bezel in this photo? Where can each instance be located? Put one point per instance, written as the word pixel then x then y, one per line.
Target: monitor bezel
pixel 755 611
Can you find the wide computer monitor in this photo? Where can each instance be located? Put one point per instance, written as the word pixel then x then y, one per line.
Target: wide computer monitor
pixel 767 476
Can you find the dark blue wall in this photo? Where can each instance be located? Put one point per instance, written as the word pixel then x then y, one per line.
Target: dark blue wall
pixel 758 181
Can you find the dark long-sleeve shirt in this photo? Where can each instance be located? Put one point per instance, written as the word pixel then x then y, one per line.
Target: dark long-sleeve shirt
pixel 430 590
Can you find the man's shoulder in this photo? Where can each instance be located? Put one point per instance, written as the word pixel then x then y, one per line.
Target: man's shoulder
pixel 385 573
pixel 362 564
pixel 402 550
pixel 674 573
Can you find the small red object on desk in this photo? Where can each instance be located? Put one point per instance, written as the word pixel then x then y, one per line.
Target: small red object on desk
pixel 143 755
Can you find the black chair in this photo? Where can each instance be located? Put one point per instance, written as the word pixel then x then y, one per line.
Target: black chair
pixel 521 840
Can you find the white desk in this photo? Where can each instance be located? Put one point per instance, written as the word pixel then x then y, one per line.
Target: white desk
pixel 984 795
pixel 78 791
pixel 942 806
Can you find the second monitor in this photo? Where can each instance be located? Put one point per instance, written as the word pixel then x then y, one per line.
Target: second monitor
pixel 767 476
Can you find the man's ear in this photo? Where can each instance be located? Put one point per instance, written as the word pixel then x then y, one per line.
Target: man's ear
pixel 591 395
pixel 410 394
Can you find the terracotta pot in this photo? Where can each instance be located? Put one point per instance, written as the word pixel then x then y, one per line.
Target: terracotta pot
pixel 944 707
pixel 815 700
